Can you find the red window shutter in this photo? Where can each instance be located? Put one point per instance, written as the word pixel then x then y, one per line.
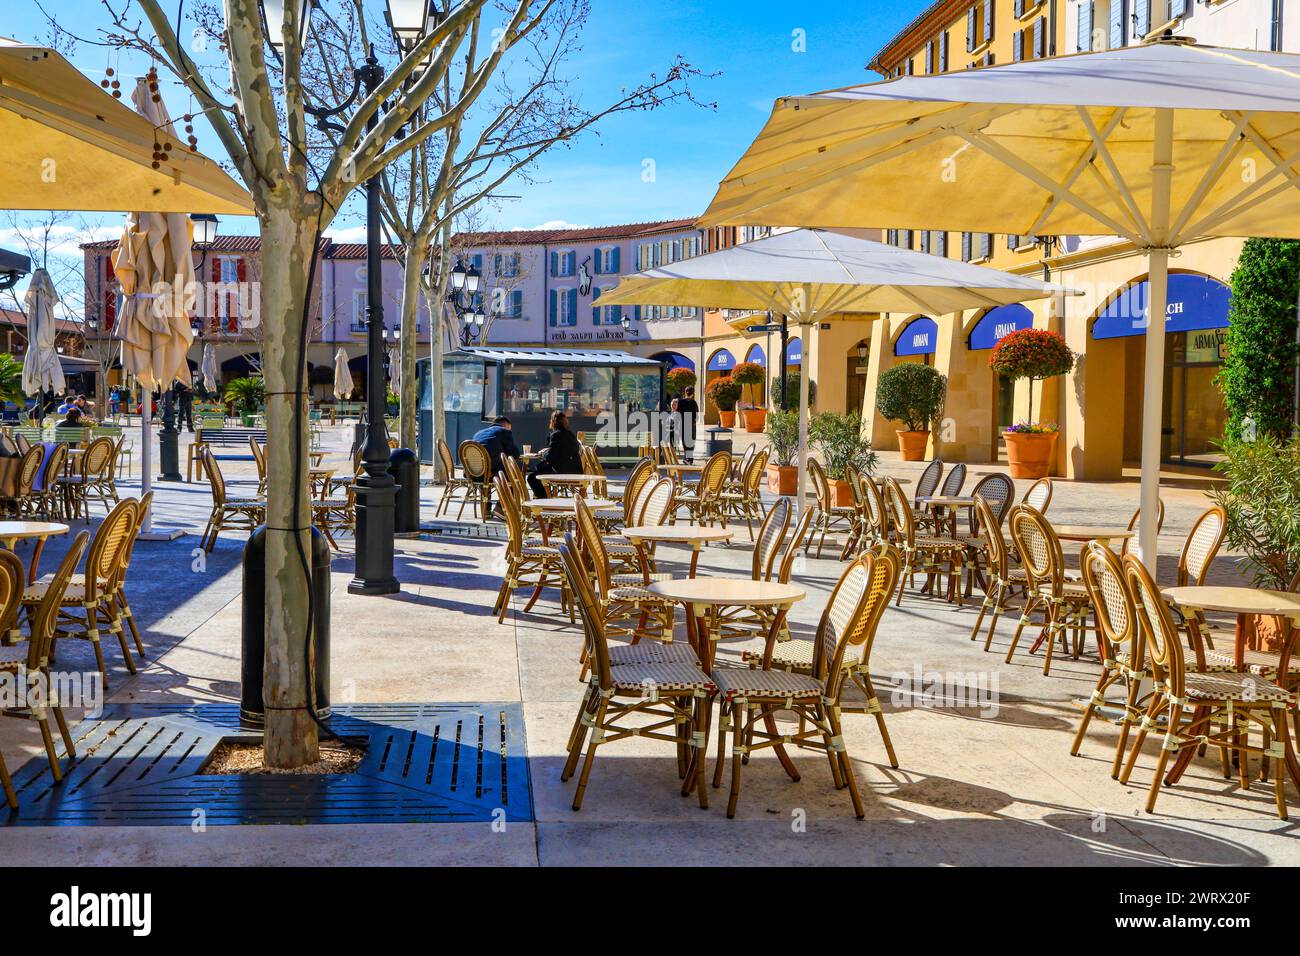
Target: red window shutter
pixel 110 294
pixel 214 324
pixel 241 274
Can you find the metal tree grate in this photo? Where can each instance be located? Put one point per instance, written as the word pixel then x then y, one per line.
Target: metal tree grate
pixel 138 765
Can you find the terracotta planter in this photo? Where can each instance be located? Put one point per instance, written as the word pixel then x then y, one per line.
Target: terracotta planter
pixel 727 419
pixel 912 444
pixel 755 419
pixel 840 493
pixel 782 479
pixel 1030 455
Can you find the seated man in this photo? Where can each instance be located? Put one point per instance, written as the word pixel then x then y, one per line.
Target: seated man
pixel 498 439
pixel 72 419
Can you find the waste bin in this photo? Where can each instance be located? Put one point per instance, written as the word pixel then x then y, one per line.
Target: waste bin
pixel 405 469
pixel 719 440
pixel 252 670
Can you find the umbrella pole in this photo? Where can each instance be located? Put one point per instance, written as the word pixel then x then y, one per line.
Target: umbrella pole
pixel 1153 385
pixel 803 420
pixel 146 473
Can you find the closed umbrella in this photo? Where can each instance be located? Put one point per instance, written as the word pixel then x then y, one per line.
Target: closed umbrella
pixel 155 268
pixel 342 375
pixel 814 276
pixel 395 368
pixel 208 367
pixel 41 369
pixel 1161 144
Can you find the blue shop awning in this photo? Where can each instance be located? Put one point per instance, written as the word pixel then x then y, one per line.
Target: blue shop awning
pixel 794 352
pixel 756 354
pixel 919 337
pixel 997 323
pixel 1195 302
pixel 721 361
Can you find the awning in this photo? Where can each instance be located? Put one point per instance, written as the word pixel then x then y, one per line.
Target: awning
pixel 674 360
pixel 919 337
pixel 1195 302
pixel 756 354
pixel 997 323
pixel 794 352
pixel 721 361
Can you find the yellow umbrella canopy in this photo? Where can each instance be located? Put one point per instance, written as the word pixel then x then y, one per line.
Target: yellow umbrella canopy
pixel 70 145
pixel 1162 144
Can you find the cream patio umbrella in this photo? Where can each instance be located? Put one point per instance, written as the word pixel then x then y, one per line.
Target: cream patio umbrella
pixel 1161 144
pixel 208 367
pixel 42 370
pixel 342 375
pixel 811 276
pixel 155 269
pixel 70 145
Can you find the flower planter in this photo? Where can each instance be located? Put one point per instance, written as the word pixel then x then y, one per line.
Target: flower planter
pixel 912 444
pixel 248 420
pixel 841 496
pixel 782 479
pixel 1029 454
pixel 727 419
pixel 755 419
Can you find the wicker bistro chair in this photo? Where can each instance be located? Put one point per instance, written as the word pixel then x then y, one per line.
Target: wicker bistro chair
pixel 334 515
pixel 703 500
pixel 1039 495
pixel 452 481
pixel 1199 708
pixel 652 507
pixel 28 468
pixel 35 657
pixel 998 492
pixel 259 459
pixel 876 530
pixel 861 534
pixel 234 513
pixel 792 653
pixel 627 608
pixel 1063 604
pixel 750 699
pixel 642 474
pixel 87 602
pixel 1120 642
pixel 933 518
pixel 1134 521
pixel 528 562
pixel 655 700
pixel 90 479
pixel 476 463
pixel 1199 550
pixel 1001 579
pixel 927 484
pixel 763 563
pixel 744 497
pixel 48 500
pixel 119 590
pixel 932 554
pixel 829 516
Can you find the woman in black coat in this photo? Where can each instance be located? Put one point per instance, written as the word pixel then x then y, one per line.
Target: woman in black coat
pixel 561 456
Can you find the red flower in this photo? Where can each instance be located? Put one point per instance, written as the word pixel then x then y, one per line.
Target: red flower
pixel 1031 353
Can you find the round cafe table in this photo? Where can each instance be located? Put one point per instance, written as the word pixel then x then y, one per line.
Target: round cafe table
pixel 1084 533
pixel 1247 604
pixel 546 505
pixel 677 534
pixel 946 507
pixel 577 482
pixel 705 599
pixel 11 532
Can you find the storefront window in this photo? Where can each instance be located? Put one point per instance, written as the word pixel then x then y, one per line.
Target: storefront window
pixel 1193 410
pixel 464 387
pixel 638 388
pixel 578 391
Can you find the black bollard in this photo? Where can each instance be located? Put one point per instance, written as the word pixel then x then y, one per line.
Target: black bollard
pixel 252 708
pixel 405 469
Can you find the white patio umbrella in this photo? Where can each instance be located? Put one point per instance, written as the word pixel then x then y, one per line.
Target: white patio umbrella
pixel 812 276
pixel 342 375
pixel 208 367
pixel 155 269
pixel 395 368
pixel 1161 144
pixel 41 368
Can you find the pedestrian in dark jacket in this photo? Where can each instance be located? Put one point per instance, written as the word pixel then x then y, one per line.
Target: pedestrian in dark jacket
pixel 498 439
pixel 688 411
pixel 560 457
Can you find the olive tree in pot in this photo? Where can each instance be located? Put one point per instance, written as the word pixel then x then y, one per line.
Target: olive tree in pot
pixel 1035 354
pixel 913 396
pixel 783 442
pixel 747 375
pixel 838 439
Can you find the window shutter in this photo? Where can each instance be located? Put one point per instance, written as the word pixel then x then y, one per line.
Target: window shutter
pixel 595 294
pixel 596 255
pixel 110 294
pixel 1017 46
pixel 988 20
pixel 965 247
pixel 1040 39
pixel 891 236
pixel 925 241
pixel 516 304
pixel 573 306
pixel 1013 242
pixel 1019 8
pixel 986 245
pixel 555 264
pixel 1116 23
pixel 553 308
pixel 1177 8
pixel 941 241
pixel 241 276
pixel 1086 13
pixel 972 29
pixel 1141 18
pixel 929 57
pixel 614 265
pixel 943 52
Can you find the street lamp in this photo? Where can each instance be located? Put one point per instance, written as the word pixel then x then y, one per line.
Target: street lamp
pixel 376 491
pixel 205 234
pixel 628 329
pixel 463 287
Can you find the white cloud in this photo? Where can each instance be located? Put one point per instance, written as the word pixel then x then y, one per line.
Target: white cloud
pixel 347 234
pixel 552 224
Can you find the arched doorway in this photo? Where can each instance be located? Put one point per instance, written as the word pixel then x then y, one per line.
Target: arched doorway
pixel 1192 414
pixel 916 341
pixel 720 363
pixel 858 362
pixel 757 393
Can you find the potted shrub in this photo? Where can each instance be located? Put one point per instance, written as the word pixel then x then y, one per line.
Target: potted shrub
pixel 792 389
pixel 838 438
pixel 783 442
pixel 246 395
pixel 1034 354
pixel 747 375
pixel 724 392
pixel 913 396
pixel 1261 497
pixel 679 380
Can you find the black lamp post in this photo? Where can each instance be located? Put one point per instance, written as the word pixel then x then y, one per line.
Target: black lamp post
pixel 463 287
pixel 409 20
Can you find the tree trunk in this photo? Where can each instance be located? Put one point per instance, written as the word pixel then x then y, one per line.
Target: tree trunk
pixel 437 391
pixel 291 739
pixel 410 396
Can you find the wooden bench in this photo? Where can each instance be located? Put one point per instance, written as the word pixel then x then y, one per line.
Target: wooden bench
pixel 616 448
pixel 225 437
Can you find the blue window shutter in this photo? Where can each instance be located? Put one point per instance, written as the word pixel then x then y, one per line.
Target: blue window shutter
pixel 1141 18
pixel 614 266
pixel 573 306
pixel 1177 8
pixel 570 263
pixel 595 294
pixel 1085 26
pixel 1040 47
pixel 1117 13
pixel 595 258
pixel 988 20
pixel 553 309
pixel 496 264
pixel 555 267
pixel 943 52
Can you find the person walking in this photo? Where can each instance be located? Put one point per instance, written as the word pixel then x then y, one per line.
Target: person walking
pixel 687 410
pixel 185 404
pixel 560 457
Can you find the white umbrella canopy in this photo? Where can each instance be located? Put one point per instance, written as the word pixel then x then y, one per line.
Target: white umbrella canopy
pixel 811 276
pixel 41 368
pixel 395 368
pixel 208 367
pixel 1161 144
pixel 342 375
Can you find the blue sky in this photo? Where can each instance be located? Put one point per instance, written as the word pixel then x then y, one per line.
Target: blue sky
pixel 598 180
